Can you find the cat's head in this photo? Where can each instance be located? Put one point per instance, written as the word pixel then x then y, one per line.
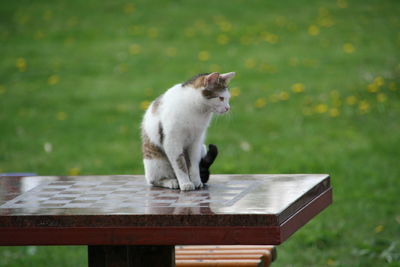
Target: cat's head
pixel 214 90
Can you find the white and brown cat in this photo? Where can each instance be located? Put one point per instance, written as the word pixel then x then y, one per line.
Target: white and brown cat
pixel 174 128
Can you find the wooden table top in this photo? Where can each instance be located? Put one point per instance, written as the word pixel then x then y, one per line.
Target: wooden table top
pixel 106 210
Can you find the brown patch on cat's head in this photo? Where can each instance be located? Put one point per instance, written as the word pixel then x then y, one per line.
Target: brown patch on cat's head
pixel 197 81
pixel 215 83
pixel 210 83
pixel 209 94
pixel 214 86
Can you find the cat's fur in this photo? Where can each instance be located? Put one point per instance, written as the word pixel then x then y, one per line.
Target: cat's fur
pixel 206 162
pixel 174 127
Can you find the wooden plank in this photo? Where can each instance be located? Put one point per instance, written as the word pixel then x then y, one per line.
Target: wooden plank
pixel 219 263
pixel 243 248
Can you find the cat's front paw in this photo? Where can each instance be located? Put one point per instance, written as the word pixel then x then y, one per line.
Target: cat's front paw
pixel 198 184
pixel 172 184
pixel 187 186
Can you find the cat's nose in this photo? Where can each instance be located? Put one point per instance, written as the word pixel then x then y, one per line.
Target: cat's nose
pixel 227 109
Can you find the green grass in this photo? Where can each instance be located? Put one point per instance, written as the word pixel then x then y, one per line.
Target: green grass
pixel 75 75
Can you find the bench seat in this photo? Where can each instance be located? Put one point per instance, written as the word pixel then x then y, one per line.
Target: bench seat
pixel 224 256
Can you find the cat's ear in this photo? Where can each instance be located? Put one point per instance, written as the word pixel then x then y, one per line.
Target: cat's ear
pixel 211 78
pixel 228 76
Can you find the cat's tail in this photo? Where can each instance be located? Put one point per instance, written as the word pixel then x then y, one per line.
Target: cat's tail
pixel 206 162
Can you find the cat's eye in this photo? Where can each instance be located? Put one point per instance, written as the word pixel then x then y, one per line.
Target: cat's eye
pixel 221 98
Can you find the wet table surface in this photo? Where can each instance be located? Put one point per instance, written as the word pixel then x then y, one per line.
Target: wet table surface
pixel 124 210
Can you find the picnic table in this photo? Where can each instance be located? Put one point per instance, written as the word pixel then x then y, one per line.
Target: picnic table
pixel 125 222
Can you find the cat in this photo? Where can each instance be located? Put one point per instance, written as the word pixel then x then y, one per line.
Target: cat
pixel 174 128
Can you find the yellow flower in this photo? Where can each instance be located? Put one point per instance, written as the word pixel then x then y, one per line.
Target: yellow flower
pixel 61 116
pixel 334 112
pixel 378 228
pixel 270 37
pixel 283 96
pixel 74 171
pixel 294 61
pixel 200 24
pixel 335 94
pixel 379 81
pixel 250 63
pixel 274 98
pixel 38 35
pixel 135 49
pixel 152 33
pixel 73 21
pixel 298 88
pixel 337 102
pixel 331 262
pixel 136 29
pixel 351 100
pixel 381 98
pixel 363 107
pixel 348 48
pixel 280 21
pixel 123 67
pixel 23 19
pixel 342 3
pixel 321 108
pixel 48 15
pixel 203 55
pixel 326 21
pixel 260 102
pixel 313 30
pixel 170 51
pixel 144 105
pixel 225 26
pixel 123 129
pixel 222 39
pixel 246 40
pixel 53 79
pixel 2 89
pixel 373 88
pixel 190 32
pixel 129 8
pixel 235 92
pixel 267 68
pixel 309 62
pixel 21 64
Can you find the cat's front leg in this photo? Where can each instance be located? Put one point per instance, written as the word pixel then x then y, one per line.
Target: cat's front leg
pixel 194 158
pixel 177 158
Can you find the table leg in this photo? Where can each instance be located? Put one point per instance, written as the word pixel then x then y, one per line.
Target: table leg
pixel 131 256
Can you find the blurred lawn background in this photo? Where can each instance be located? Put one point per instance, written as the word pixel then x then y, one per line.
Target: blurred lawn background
pixel 317 91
